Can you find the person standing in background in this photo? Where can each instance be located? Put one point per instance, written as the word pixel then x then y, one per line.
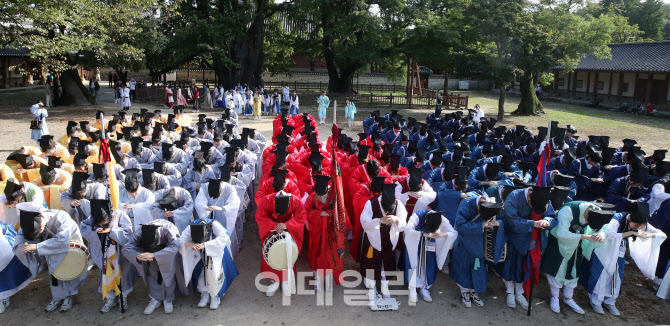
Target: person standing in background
pixel 132 84
pixel 91 86
pixel 349 111
pixel 295 104
pixel 109 79
pixel 438 101
pixel 323 102
pixel 38 126
pixel 286 95
pixel 49 92
pixel 257 105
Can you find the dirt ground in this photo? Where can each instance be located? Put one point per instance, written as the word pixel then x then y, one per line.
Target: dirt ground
pixel 245 305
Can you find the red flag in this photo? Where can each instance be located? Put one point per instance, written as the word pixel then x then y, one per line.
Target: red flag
pixel 338 221
pixel 542 165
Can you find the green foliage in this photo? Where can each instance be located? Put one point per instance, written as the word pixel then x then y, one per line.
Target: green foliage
pixel 62 34
pixel 649 15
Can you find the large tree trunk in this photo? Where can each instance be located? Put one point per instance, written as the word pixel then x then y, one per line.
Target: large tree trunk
pixel 529 104
pixel 501 103
pixel 73 90
pixel 342 83
pixel 446 82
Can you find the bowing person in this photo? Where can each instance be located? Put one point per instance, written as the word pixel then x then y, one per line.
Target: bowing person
pixel 46 235
pixel 135 200
pixel 318 208
pixel 383 219
pixel 205 250
pixel 175 205
pixel 218 201
pixel 276 213
pixel 153 251
pixel 106 233
pixel 16 193
pixel 475 215
pixel 428 239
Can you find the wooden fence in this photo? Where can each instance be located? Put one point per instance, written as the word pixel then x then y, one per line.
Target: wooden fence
pixel 157 94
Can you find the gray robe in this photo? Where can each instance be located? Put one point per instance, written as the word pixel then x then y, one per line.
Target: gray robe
pixel 53 244
pixel 142 203
pixel 193 177
pixel 121 233
pixel 183 215
pixel 166 262
pixel 179 159
pixel 93 191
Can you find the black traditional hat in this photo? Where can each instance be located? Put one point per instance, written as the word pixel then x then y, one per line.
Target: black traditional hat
pixel 315 161
pixel 436 158
pixel 506 162
pixel 200 232
pixel 638 175
pixel 491 170
pixel 659 155
pixel 598 218
pixel 226 172
pixel 507 189
pixel 321 184
pixel 470 163
pixel 432 220
pixel 542 133
pixel 462 174
pixel 71 127
pixel 558 196
pixel 82 144
pixel 282 204
pixel 415 181
pixel 388 197
pixel 99 171
pixel 84 125
pixel 420 154
pixel 412 146
pixel 12 190
pixel 628 144
pixel 635 158
pixel 100 211
pixel 488 210
pixel 639 212
pixel 79 181
pixel 131 180
pixel 377 184
pixel 31 224
pixel 607 154
pixel 394 164
pixel 214 188
pixel 539 198
pixel 363 152
pixel 46 142
pixel 168 203
pixel 279 179
pixel 562 180
pixel 150 237
pixel 288 130
pixel 46 174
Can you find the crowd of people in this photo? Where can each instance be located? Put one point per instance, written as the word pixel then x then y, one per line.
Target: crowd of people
pixel 170 209
pixel 456 193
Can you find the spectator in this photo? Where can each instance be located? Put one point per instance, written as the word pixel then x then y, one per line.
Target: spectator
pixel 49 93
pixel 638 107
pixel 96 86
pixel 538 90
pixel 38 126
pixel 650 108
pixel 624 106
pixel 438 101
pixel 110 79
pixel 132 89
pixel 91 86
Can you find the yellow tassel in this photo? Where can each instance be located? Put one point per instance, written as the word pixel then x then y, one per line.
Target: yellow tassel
pixel 370 250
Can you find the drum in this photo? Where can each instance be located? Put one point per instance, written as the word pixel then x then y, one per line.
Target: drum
pixel 274 251
pixel 74 263
pixel 488 246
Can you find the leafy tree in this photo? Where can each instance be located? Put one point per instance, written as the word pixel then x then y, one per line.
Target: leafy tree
pixel 649 15
pixel 351 35
pixel 63 34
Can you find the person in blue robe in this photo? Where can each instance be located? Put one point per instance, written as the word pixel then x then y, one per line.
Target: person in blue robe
pixel 519 225
pixel 475 215
pixel 588 176
pixel 368 122
pixel 14 275
pixel 487 175
pixel 626 190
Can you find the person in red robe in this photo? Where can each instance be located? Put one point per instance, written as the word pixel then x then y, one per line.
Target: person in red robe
pixel 276 213
pixel 318 208
pixel 396 171
pixel 277 183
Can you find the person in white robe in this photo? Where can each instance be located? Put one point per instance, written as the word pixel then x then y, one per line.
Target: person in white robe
pixel 45 235
pixel 428 238
pixel 218 201
pixel 19 193
pixel 205 248
pixel 135 200
pixel 604 266
pixel 125 98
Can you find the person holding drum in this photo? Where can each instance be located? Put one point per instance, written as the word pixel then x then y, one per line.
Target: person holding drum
pixel 205 250
pixel 54 236
pixel 153 250
pixel 281 224
pixel 383 219
pixel 106 233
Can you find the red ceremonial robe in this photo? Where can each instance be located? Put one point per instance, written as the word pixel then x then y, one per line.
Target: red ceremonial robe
pixel 266 188
pixel 267 219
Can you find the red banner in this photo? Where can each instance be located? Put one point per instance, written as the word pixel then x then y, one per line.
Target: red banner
pixel 338 221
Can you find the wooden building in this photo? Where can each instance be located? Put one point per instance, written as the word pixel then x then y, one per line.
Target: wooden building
pixel 636 72
pixel 10 62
